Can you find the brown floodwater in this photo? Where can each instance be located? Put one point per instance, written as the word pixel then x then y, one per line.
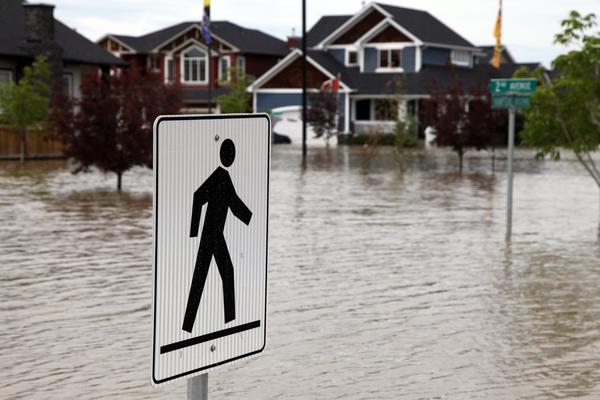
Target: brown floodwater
pixel 389 279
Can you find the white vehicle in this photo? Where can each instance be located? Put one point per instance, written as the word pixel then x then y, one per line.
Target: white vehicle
pixel 288 121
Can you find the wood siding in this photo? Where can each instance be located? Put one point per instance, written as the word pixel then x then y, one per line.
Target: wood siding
pixel 291 77
pixel 390 35
pixel 360 28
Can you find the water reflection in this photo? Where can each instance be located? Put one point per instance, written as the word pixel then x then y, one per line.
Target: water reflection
pixel 389 278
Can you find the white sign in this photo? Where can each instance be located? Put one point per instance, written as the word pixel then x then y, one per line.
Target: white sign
pixel 211 203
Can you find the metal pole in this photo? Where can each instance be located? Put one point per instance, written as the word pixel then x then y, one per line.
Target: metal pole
pixel 198 388
pixel 509 191
pixel 304 81
pixel 209 80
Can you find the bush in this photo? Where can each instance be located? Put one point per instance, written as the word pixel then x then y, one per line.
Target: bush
pixel 406 133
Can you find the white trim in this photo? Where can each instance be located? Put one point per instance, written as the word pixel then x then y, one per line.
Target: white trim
pixel 379 68
pixel 10 74
pixel 284 63
pixel 274 69
pixel 389 46
pixel 183 32
pixel 254 95
pixel 206 69
pixel 222 58
pixel 461 63
pixel 357 17
pixel 166 69
pixel 380 27
pixel 347 57
pixel 189 43
pixel 347 113
pixel 388 69
pixel 111 37
pixel 240 71
pixel 418 59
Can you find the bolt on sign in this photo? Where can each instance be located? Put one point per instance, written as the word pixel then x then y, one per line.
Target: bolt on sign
pixel 211 203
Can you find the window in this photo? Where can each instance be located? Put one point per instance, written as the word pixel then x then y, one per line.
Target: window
pixel 386 110
pixel 67 84
pixel 154 62
pixel 461 57
pixel 390 58
pixel 224 65
pixel 352 57
pixel 5 76
pixel 170 70
pixel 241 65
pixel 194 66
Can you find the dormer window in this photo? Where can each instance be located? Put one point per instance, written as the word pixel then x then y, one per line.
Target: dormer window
pixel 390 58
pixel 461 57
pixel 352 58
pixel 194 66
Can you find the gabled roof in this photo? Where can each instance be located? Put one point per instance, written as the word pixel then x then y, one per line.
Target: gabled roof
pixel 76 48
pixel 421 24
pixel 324 27
pixel 244 39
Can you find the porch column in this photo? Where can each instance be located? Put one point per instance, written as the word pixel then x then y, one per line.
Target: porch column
pixel 347 113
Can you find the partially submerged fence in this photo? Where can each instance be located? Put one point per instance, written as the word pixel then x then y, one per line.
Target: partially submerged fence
pixel 38 145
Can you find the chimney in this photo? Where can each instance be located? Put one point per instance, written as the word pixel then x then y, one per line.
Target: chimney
pixel 39 23
pixel 294 41
pixel 39 36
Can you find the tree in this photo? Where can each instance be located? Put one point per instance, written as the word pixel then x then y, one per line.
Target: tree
pixel 322 113
pixel 565 112
pixel 25 104
pixel 461 120
pixel 110 127
pixel 238 100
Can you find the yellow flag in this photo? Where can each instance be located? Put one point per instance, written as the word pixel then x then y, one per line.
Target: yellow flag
pixel 498 35
pixel 206 3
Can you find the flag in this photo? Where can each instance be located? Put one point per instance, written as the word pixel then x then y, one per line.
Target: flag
pixel 206 23
pixel 496 60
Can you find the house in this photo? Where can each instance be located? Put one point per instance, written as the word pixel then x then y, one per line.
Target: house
pixel 369 51
pixel 179 53
pixel 28 30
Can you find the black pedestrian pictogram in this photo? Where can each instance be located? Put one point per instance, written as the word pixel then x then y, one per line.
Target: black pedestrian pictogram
pixel 220 196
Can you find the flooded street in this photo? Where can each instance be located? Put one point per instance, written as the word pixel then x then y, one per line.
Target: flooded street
pixel 387 280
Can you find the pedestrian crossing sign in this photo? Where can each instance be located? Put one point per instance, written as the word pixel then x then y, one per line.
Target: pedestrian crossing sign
pixel 211 208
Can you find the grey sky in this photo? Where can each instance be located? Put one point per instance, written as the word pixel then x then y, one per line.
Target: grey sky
pixel 528 30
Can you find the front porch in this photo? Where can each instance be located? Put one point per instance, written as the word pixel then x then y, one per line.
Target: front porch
pixel 379 114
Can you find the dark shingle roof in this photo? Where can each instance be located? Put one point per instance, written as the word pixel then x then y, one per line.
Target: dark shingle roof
pixel 247 40
pixel 76 48
pixel 324 27
pixel 425 26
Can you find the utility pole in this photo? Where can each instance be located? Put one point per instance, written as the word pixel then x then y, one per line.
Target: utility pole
pixel 304 81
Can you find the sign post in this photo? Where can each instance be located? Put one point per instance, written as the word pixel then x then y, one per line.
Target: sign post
pixel 511 94
pixel 211 203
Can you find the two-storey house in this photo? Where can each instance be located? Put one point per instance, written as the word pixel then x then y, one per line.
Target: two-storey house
pixel 180 54
pixel 370 51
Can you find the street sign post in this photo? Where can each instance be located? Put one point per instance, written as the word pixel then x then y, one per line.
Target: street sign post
pixel 513 86
pixel 211 184
pixel 511 94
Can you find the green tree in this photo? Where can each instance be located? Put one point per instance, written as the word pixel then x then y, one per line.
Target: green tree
pixel 25 104
pixel 565 112
pixel 237 100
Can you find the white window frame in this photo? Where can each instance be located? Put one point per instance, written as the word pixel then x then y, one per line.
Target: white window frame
pixel 69 78
pixel 166 69
pixel 464 61
pixel 389 50
pixel 221 72
pixel 199 59
pixel 10 75
pixel 154 62
pixel 348 63
pixel 241 70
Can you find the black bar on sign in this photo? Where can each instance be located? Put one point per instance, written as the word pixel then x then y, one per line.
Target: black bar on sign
pixel 209 336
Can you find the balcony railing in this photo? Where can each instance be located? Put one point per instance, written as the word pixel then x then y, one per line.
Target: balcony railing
pixel 373 127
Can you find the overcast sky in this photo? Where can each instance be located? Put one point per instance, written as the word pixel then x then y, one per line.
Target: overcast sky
pixel 528 30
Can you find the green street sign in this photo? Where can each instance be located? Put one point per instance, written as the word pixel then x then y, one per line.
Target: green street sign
pixel 509 101
pixel 513 86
